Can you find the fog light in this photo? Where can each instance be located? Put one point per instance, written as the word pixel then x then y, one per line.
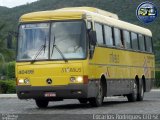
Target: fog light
pixel 26 81
pixel 79 92
pixel 80 79
pixel 21 81
pixel 72 79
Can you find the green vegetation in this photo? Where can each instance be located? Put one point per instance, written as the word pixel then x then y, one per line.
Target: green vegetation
pixel 157 80
pixel 7 86
pixel 10 70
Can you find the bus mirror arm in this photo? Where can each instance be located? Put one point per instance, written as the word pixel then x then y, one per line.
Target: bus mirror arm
pixel 92 37
pixel 11 35
pixel 91 51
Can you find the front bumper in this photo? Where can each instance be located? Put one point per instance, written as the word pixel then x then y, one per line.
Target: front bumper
pixel 71 91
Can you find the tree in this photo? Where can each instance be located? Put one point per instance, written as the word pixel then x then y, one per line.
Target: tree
pixel 3 49
pixel 5 54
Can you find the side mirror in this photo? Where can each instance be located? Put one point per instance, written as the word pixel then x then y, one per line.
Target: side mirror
pixel 11 38
pixel 92 37
pixel 9 41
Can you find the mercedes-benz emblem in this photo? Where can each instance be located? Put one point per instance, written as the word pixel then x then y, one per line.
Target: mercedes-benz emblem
pixel 49 81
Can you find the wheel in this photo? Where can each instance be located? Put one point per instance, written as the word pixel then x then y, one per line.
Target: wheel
pixel 133 96
pixel 140 92
pixel 83 100
pixel 42 103
pixel 98 100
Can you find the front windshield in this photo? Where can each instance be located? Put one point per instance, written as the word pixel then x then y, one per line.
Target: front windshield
pixel 66 40
pixel 69 37
pixel 32 38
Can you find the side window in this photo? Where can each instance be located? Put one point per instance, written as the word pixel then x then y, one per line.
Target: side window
pixel 134 41
pixel 99 31
pixel 127 39
pixel 148 44
pixel 108 35
pixel 141 42
pixel 117 36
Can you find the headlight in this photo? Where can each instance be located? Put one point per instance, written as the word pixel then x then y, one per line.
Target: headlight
pixel 79 79
pixel 21 81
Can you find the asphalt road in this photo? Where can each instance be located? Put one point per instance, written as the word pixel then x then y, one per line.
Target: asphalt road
pixel 13 108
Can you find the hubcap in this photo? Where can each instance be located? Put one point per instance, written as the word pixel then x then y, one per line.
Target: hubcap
pixel 99 97
pixel 135 90
pixel 142 93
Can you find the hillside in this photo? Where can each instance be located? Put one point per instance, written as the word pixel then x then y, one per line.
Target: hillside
pixel 126 10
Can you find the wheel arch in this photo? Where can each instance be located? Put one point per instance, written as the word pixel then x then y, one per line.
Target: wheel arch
pixel 104 84
pixel 137 79
pixel 144 82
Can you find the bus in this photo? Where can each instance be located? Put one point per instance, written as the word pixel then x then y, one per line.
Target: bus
pixel 82 53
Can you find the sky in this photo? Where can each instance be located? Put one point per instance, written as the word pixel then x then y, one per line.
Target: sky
pixel 14 3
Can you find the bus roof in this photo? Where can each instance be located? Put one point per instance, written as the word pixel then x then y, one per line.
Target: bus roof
pixel 81 13
pixel 94 10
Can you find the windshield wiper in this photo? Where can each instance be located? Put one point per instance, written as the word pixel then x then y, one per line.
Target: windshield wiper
pixel 60 52
pixel 43 47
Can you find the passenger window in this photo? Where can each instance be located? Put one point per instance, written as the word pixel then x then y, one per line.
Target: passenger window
pixel 117 37
pixel 134 41
pixel 99 32
pixel 108 35
pixel 127 39
pixel 148 44
pixel 141 42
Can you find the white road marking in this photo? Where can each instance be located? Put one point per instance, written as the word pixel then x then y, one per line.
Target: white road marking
pixel 155 90
pixel 8 95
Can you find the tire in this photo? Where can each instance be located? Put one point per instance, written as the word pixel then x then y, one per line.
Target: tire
pixel 140 92
pixel 83 100
pixel 98 100
pixel 133 96
pixel 42 103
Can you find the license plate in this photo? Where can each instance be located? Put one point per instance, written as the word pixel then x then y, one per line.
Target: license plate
pixel 50 94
